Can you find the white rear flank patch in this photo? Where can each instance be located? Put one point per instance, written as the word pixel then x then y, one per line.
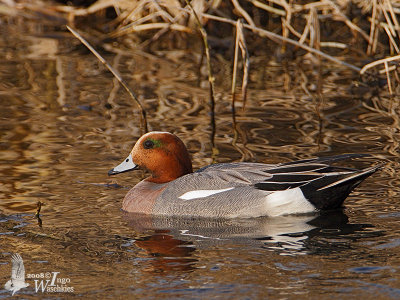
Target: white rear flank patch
pixel 202 193
pixel 290 201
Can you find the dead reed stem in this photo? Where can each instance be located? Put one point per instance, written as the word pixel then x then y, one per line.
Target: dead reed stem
pixel 116 74
pixel 277 37
pixel 378 62
pixel 350 24
pixel 240 43
pixel 210 78
pixel 243 13
pixel 162 16
pixel 388 78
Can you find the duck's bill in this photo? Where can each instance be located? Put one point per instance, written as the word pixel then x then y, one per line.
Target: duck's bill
pixel 125 166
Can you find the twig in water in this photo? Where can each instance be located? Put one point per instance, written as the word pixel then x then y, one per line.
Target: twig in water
pixel 240 42
pixel 37 214
pixel 39 207
pixel 115 73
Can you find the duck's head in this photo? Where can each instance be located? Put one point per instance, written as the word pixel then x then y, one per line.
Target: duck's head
pixel 163 154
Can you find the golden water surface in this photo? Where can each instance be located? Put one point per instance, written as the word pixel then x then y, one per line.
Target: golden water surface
pixel 65 121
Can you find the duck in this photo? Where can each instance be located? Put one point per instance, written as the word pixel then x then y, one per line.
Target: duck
pixel 232 190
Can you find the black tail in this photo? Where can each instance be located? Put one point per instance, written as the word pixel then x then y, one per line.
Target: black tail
pixel 329 192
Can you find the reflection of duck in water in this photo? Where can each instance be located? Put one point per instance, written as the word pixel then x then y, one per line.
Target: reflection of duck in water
pixel 231 190
pixel 290 235
pixel 170 254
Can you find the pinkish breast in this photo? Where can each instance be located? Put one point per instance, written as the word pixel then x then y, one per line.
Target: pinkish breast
pixel 142 197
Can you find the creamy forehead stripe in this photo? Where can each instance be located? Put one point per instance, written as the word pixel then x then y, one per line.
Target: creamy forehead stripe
pixel 201 193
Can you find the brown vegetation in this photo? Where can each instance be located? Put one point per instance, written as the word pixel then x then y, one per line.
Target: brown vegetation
pixel 337 30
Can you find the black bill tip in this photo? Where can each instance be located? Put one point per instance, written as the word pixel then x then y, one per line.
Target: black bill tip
pixel 112 172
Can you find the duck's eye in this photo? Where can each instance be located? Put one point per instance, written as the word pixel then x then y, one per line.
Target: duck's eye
pixel 148 144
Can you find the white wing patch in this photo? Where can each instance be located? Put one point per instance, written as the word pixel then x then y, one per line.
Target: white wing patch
pixel 202 193
pixel 291 201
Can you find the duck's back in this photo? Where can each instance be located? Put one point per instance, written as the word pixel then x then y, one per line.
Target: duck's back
pixel 251 189
pixel 227 190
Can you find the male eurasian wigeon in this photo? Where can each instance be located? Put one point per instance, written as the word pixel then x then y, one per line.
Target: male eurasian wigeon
pixel 232 190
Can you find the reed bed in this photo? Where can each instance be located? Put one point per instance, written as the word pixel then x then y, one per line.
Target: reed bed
pixel 336 30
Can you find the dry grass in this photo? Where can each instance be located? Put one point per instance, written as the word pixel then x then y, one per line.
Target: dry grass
pixel 210 78
pixel 240 43
pixel 320 27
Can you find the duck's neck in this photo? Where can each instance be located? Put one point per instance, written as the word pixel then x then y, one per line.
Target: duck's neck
pixel 171 171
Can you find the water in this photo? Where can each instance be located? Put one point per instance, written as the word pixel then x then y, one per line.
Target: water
pixel 65 121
